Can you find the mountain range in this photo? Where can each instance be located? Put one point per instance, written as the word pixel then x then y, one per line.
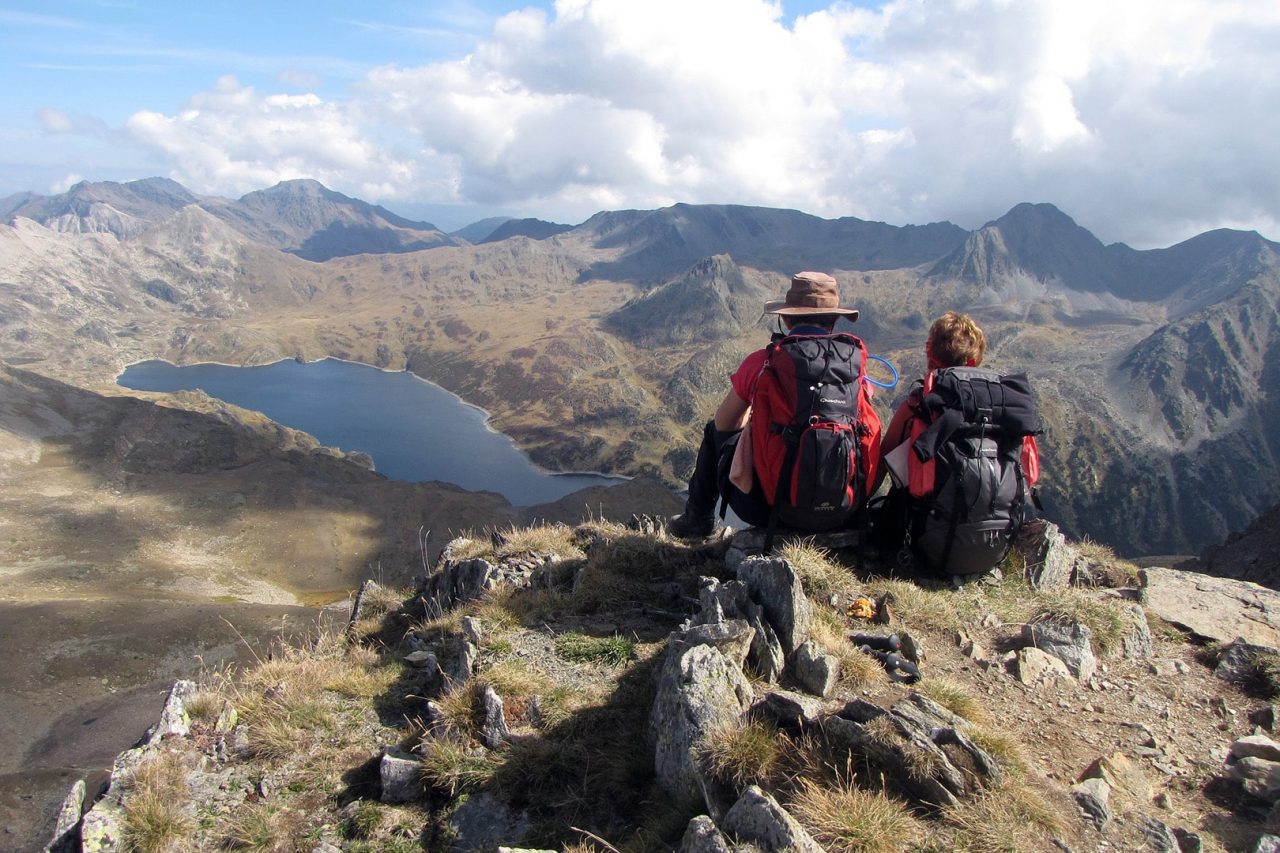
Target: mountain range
pixel 604 345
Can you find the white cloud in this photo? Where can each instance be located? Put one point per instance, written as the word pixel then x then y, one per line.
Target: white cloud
pixel 66 183
pixel 232 139
pixel 1145 120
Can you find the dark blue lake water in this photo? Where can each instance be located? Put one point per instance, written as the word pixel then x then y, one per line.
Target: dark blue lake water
pixel 413 430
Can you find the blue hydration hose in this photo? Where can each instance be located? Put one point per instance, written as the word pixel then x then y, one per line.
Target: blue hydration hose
pixel 892 370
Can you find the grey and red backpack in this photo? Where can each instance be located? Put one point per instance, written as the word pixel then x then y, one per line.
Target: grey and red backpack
pixel 973 464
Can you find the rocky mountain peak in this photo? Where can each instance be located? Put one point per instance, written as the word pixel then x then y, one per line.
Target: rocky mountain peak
pixel 1031 240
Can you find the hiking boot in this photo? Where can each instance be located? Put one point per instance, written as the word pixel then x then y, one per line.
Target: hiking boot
pixel 691 525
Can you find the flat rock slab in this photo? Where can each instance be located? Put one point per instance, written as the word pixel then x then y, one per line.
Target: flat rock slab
pixel 1219 609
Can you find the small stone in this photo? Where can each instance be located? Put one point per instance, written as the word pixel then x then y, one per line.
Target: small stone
pixel 422 660
pixel 1093 796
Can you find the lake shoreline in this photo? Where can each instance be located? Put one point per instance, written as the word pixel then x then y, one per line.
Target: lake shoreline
pixel 393 459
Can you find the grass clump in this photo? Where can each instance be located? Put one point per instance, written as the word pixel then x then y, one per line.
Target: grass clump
pixel 743 755
pixel 582 648
pixel 1105 618
pixel 1003 819
pixel 1116 571
pixel 551 539
pixel 204 706
pixel 929 609
pixel 955 697
pixel 453 767
pixel 268 827
pixel 857 670
pixel 818 573
pixel 156 819
pixel 849 819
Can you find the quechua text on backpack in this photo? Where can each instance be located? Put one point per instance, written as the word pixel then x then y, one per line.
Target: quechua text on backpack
pixel 815 436
pixel 972 467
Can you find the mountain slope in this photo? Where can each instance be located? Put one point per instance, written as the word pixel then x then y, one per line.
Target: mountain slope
pixel 655 245
pixel 301 217
pixel 305 218
pixel 534 229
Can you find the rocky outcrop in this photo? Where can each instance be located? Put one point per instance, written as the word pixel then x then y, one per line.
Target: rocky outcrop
pixel 1215 608
pixel 699 691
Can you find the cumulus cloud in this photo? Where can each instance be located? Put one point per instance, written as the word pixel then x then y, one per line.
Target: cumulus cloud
pixel 1145 120
pixel 234 139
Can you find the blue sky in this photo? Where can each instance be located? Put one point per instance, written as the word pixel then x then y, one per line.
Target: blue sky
pixel 1147 121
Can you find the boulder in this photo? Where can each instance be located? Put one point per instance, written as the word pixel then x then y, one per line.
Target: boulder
pixel 1032 666
pixel 720 602
pixel 921 734
pixel 758 819
pixel 816 672
pixel 483 822
pixel 1136 643
pixel 1218 609
pixel 772 583
pixel 699 690
pixel 1051 562
pixel 1159 836
pixel 733 637
pixel 1255 746
pixel 1118 771
pixel 493 731
pixel 66 828
pixel 457 582
pixel 1259 778
pixel 788 709
pixel 1238 662
pixel 401 778
pixel 1068 642
pixel 701 836
pixel 174 720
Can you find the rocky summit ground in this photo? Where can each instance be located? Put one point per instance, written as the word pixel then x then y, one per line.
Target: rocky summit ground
pixel 608 688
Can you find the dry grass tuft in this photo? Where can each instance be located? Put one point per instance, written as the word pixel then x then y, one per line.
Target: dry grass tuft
pixel 849 819
pixel 928 609
pixel 268 827
pixel 955 697
pixel 1116 570
pixel 920 765
pixel 470 546
pixel 1105 617
pixel 857 670
pixel 1003 819
pixel 454 767
pixel 205 706
pixel 1006 749
pixel 743 755
pixel 614 651
pixel 156 819
pixel 818 573
pixel 554 539
pixel 379 600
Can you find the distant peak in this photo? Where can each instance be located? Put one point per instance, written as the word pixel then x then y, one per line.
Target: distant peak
pixel 1039 212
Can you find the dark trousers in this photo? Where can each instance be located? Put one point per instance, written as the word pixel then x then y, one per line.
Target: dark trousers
pixel 710 480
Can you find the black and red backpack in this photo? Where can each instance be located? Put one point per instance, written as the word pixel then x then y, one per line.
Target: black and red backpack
pixel 815 436
pixel 972 467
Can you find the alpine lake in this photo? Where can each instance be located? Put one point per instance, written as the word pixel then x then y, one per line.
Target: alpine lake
pixel 414 430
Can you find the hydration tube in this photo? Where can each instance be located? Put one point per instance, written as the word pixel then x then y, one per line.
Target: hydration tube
pixel 892 370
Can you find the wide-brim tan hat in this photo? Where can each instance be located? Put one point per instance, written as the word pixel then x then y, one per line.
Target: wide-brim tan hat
pixel 811 293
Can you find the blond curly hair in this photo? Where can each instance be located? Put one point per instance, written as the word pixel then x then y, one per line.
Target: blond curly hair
pixel 955 340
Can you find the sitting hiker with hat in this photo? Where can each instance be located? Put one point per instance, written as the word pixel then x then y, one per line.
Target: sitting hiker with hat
pixel 795 442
